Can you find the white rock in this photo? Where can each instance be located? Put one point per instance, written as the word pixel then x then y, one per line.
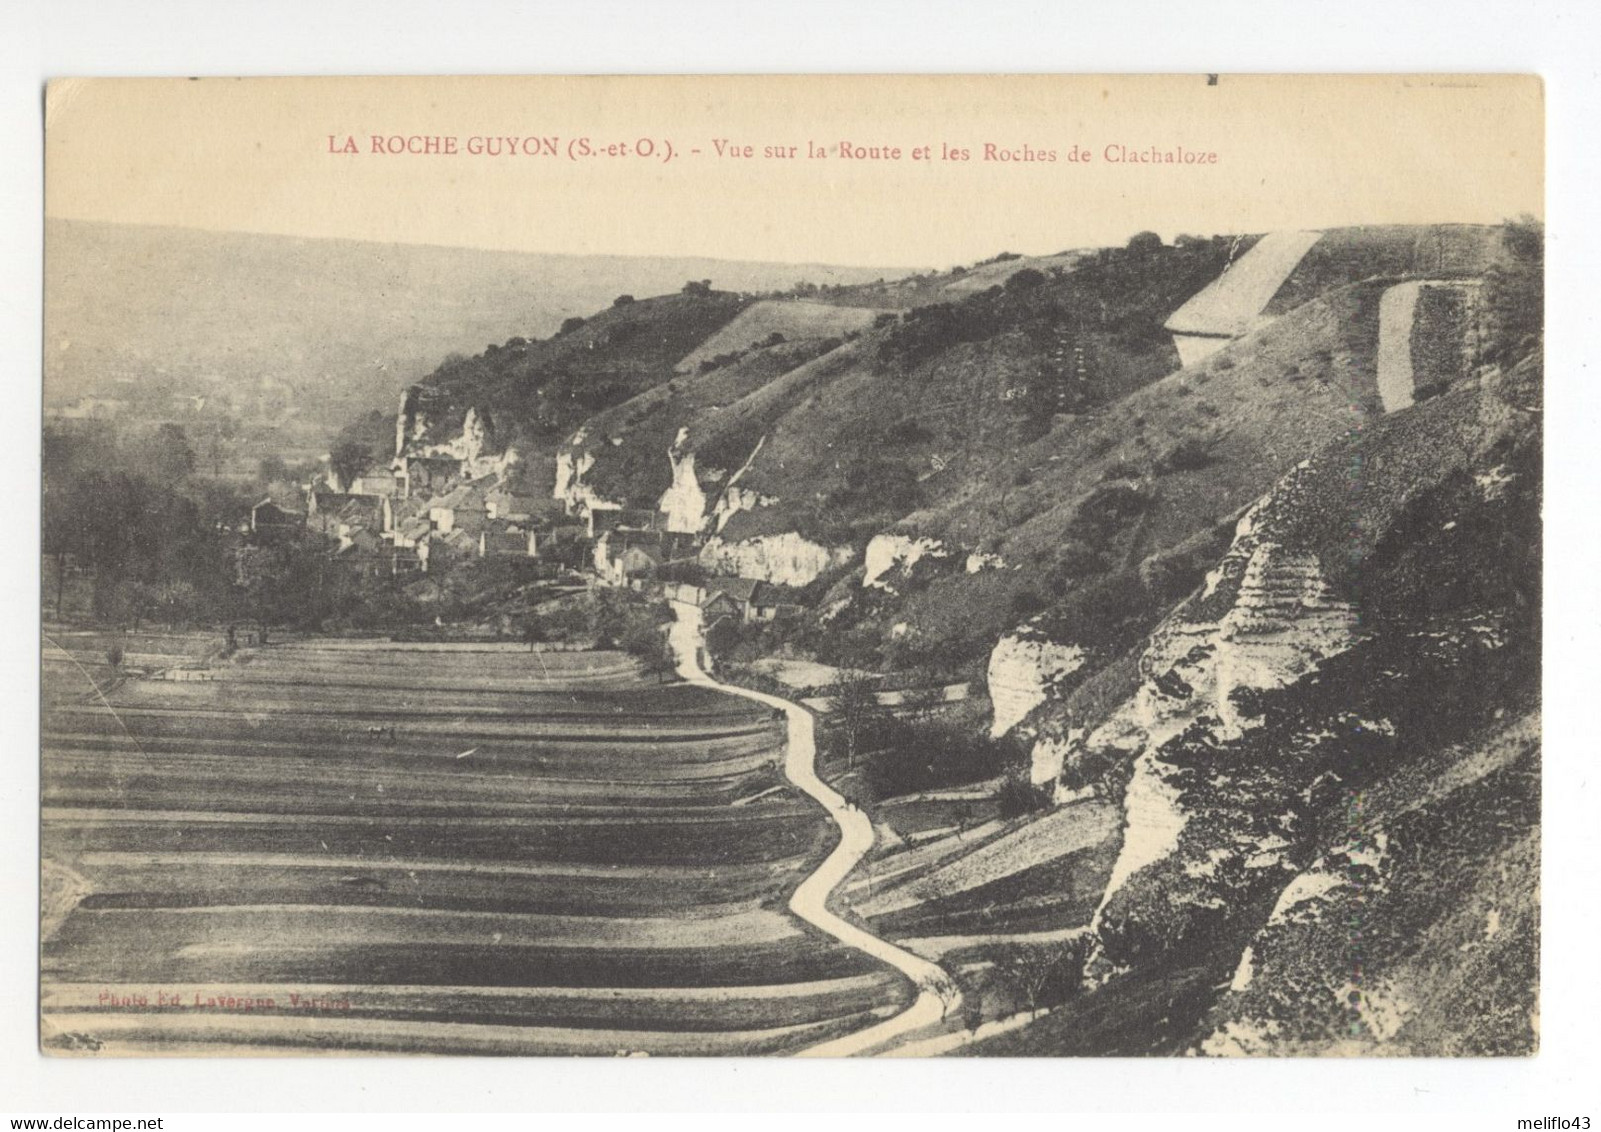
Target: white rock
pixel 684 502
pixel 1022 669
pixel 891 552
pixel 786 559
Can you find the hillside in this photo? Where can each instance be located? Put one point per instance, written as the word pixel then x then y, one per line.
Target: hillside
pixel 1194 654
pixel 1340 728
pixel 774 321
pixel 342 324
pixel 970 377
pixel 542 389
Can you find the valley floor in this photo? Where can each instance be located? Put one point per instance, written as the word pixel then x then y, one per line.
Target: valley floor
pixel 381 847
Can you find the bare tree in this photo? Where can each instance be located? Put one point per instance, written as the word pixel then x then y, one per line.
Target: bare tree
pixel 852 706
pixel 1040 974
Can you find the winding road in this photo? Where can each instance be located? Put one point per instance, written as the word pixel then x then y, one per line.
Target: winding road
pixel 937 993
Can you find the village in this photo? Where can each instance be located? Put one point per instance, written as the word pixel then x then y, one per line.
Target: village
pixel 433 508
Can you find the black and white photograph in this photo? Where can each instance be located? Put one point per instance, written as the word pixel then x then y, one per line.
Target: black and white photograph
pixel 913 566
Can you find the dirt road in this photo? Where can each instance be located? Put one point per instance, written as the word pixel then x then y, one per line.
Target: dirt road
pixel 937 994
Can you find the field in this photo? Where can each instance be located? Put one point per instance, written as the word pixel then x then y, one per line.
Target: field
pixel 793 318
pixel 380 847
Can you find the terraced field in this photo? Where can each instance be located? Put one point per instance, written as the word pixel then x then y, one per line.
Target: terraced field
pixel 381 847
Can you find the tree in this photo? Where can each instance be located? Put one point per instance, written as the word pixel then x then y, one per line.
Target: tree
pixel 853 707
pixel 1144 243
pixel 1024 280
pixel 272 469
pixel 1017 796
pixel 622 300
pixel 1041 976
pixel 171 457
pixel 646 644
pixel 348 460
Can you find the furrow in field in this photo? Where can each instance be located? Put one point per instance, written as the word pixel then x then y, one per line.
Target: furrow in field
pixel 481 859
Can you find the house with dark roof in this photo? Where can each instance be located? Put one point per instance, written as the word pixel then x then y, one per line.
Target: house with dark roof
pixel 726 597
pixel 338 513
pixel 499 542
pixel 461 509
pixel 746 599
pixel 426 475
pixel 503 503
pixel 269 521
pixel 770 602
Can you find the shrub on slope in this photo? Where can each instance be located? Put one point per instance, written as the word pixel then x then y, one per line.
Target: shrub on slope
pixel 542 390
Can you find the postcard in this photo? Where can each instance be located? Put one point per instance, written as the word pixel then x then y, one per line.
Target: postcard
pixel 834 566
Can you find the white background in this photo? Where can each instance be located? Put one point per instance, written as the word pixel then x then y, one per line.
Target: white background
pixel 39 40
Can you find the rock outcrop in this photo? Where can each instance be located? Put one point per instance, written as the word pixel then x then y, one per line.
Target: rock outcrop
pixel 1265 618
pixel 786 559
pixel 684 502
pixel 891 557
pixel 576 495
pixel 1023 668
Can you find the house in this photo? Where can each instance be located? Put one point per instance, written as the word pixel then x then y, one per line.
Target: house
pixel 359 541
pixel 462 544
pixel 462 509
pixel 639 560
pixel 425 475
pixel 727 597
pixel 323 502
pixel 270 521
pixel 409 532
pixel 339 513
pixel 504 543
pixel 747 599
pixel 770 602
pixel 501 503
pixel 624 554
pixel 376 483
pixel 681 546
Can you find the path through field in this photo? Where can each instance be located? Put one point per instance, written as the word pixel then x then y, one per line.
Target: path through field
pixel 1396 309
pixel 1230 305
pixel 937 993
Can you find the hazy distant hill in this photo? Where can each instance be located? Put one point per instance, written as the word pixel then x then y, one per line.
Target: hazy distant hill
pixel 342 322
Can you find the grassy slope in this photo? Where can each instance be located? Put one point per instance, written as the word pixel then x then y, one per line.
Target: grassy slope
pixel 1345 255
pixel 944 394
pixel 544 389
pixel 1260 406
pixel 1427 824
pixel 793 318
pixel 636 471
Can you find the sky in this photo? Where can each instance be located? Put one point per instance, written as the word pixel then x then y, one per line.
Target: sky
pixel 267 155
